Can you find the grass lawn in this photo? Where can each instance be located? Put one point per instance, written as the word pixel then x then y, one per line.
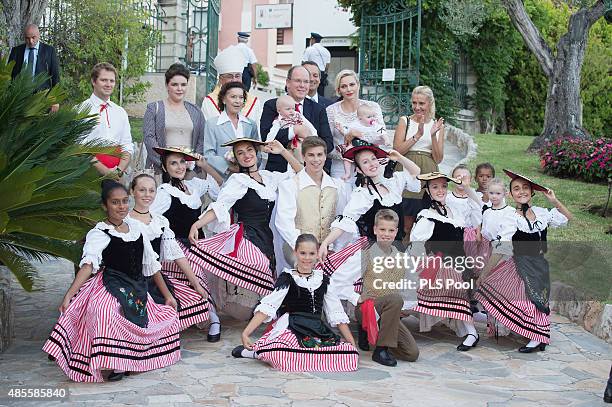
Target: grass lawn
pixel 580 254
pixel 136 125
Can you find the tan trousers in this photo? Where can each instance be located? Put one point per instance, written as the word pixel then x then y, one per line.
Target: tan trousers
pixel 392 333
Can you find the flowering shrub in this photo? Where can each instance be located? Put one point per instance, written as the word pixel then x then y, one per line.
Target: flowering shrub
pixel 590 160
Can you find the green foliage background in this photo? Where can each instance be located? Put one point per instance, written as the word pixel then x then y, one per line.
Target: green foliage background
pixel 86 32
pixel 511 88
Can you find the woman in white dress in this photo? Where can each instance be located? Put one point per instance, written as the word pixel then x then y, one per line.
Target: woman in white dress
pixel 344 113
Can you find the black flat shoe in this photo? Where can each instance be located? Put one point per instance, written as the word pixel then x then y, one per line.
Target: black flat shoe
pixel 237 351
pixel 362 339
pixel 51 358
pixel 464 348
pixel 529 349
pixel 608 393
pixel 216 337
pixel 382 356
pixel 115 376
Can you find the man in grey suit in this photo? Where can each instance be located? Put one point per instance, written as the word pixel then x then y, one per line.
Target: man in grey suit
pixel 37 57
pixel 315 81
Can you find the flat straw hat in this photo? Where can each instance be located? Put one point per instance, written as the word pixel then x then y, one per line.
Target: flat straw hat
pixel 435 175
pixel 534 185
pixel 361 146
pixel 242 139
pixel 189 154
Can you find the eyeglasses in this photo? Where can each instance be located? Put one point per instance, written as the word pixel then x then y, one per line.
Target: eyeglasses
pixel 231 76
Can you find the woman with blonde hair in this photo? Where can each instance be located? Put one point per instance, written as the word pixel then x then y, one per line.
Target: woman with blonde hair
pixel 344 113
pixel 420 138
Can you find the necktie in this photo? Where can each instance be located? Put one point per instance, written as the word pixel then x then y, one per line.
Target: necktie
pixel 104 108
pixel 297 107
pixel 30 67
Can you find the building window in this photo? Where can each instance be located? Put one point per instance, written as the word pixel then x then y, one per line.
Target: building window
pixel 280 36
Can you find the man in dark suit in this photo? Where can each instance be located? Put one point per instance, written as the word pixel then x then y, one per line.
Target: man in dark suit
pixel 315 81
pixel 297 84
pixel 36 57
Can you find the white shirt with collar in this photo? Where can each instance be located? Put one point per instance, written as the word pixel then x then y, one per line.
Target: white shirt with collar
pixel 318 54
pixel 113 124
pixel 286 206
pixel 314 98
pixel 238 131
pixel 26 54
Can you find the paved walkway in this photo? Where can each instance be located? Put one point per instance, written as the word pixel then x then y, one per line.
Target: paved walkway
pixel 571 372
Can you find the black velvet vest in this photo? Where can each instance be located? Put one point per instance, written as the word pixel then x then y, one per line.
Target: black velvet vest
pixel 181 218
pixel 125 257
pixel 446 239
pixel 529 244
pixel 299 299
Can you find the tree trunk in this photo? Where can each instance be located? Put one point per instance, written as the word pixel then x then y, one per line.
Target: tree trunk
pixel 16 14
pixel 563 113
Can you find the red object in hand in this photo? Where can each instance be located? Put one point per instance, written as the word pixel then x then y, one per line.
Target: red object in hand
pixel 368 320
pixel 109 161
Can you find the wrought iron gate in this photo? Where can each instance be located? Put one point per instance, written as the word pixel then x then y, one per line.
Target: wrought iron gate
pixel 203 38
pixel 390 37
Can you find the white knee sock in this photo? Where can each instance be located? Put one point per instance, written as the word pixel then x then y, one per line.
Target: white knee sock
pixel 533 344
pixel 248 354
pixel 215 323
pixel 471 330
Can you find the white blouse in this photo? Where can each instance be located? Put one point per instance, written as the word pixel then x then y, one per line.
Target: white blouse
pixel 97 240
pixel 159 226
pixel 361 200
pixel 471 210
pixel 424 226
pixel 424 143
pixel 236 187
pixel 196 186
pixel 332 306
pixel 500 225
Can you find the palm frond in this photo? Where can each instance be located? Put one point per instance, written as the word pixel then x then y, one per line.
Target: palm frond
pixel 21 268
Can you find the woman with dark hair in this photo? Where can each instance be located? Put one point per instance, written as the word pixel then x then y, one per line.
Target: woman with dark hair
pixel 300 341
pixel 180 201
pixel 437 245
pixel 515 284
pixel 243 254
pixel 173 121
pixel 100 315
pixel 190 293
pixel 373 192
pixel 228 126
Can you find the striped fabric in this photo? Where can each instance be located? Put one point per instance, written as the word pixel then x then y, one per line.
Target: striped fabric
pixel 233 258
pixel 92 335
pixel 442 302
pixel 337 259
pixel 193 309
pixel 285 354
pixel 503 295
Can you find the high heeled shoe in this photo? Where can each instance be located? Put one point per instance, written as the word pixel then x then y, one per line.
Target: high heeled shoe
pixel 464 348
pixel 530 349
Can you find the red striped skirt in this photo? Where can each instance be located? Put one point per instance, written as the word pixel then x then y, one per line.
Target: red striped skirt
pixel 503 295
pixel 285 354
pixel 192 308
pixel 92 335
pixel 442 302
pixel 474 248
pixel 233 258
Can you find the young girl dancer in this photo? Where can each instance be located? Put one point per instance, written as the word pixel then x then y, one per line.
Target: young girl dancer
pixel 514 290
pixel 108 321
pixel 187 289
pixel 300 341
pixel 437 240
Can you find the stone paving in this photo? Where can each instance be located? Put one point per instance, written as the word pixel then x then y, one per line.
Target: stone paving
pixel 571 372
